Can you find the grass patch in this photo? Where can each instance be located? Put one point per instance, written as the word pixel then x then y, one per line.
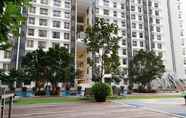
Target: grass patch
pixel 69 100
pixel 48 100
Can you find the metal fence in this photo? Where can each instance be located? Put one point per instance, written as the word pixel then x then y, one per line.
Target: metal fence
pixel 6 99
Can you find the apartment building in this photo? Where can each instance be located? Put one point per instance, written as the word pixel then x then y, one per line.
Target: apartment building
pixel 143 24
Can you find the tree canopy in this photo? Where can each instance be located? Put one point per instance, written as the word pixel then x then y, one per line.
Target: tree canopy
pixel 54 65
pixel 11 19
pixel 145 67
pixel 102 40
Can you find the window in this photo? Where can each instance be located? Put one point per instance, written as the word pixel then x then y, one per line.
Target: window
pixel 123 24
pixel 57 3
pixel 158 37
pixel 134 34
pixel 67 4
pixel 43 22
pixel 124 61
pixel 134 43
pixel 156 5
pixel 67 46
pixel 115 22
pixel 122 14
pixel 184 61
pixel 66 36
pixel 133 16
pixel 54 45
pixel 57 24
pixel 114 4
pixel 123 42
pixel 139 9
pixel 7 54
pixel 141 43
pixel 6 67
pixel 56 35
pixel 44 2
pixel 66 25
pixel 31 32
pixel 160 54
pixel 140 26
pixel 135 52
pixel 106 2
pixel 41 44
pixel 124 33
pixel 31 20
pixel 42 33
pixel 57 13
pixel 133 25
pixel 32 10
pixel 141 35
pixel 30 43
pixel 97 10
pixel 132 8
pixel 34 0
pixel 115 13
pixel 106 12
pixel 67 15
pixel 140 18
pixel 122 6
pixel 124 51
pixel 158 29
pixel 43 11
pixel 157 13
pixel 157 21
pixel 159 46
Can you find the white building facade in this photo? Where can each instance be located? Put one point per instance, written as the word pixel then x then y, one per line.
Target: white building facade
pixel 144 24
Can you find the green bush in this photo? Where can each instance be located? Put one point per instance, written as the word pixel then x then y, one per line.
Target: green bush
pixel 101 91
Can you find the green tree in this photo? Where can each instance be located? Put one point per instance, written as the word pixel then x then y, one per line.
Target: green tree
pixel 11 19
pixel 35 65
pixel 60 67
pixel 145 67
pixel 102 40
pixel 51 66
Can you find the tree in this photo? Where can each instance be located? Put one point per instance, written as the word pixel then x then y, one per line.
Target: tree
pixel 52 66
pixel 145 67
pixel 35 66
pixel 59 67
pixel 11 19
pixel 102 40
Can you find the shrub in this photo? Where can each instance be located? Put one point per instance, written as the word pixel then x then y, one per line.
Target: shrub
pixel 101 91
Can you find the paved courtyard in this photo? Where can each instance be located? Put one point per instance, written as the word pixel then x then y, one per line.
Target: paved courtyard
pixel 85 110
pixel 171 106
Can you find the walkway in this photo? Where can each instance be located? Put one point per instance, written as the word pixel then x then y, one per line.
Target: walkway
pixel 172 106
pixel 85 110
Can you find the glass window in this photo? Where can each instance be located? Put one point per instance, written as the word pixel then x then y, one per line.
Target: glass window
pixel 67 4
pixel 66 36
pixel 7 54
pixel 67 14
pixel 32 9
pixel 31 32
pixel 141 43
pixel 134 34
pixel 31 20
pixel 66 25
pixel 57 13
pixel 159 46
pixel 43 22
pixel 57 24
pixel 30 43
pixel 124 51
pixel 43 11
pixel 115 13
pixel 42 33
pixel 56 35
pixel 106 12
pixel 44 2
pixel 41 44
pixel 134 43
pixel 57 3
pixel 6 67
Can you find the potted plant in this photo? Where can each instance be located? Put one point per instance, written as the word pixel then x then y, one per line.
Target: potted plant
pixel 101 91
